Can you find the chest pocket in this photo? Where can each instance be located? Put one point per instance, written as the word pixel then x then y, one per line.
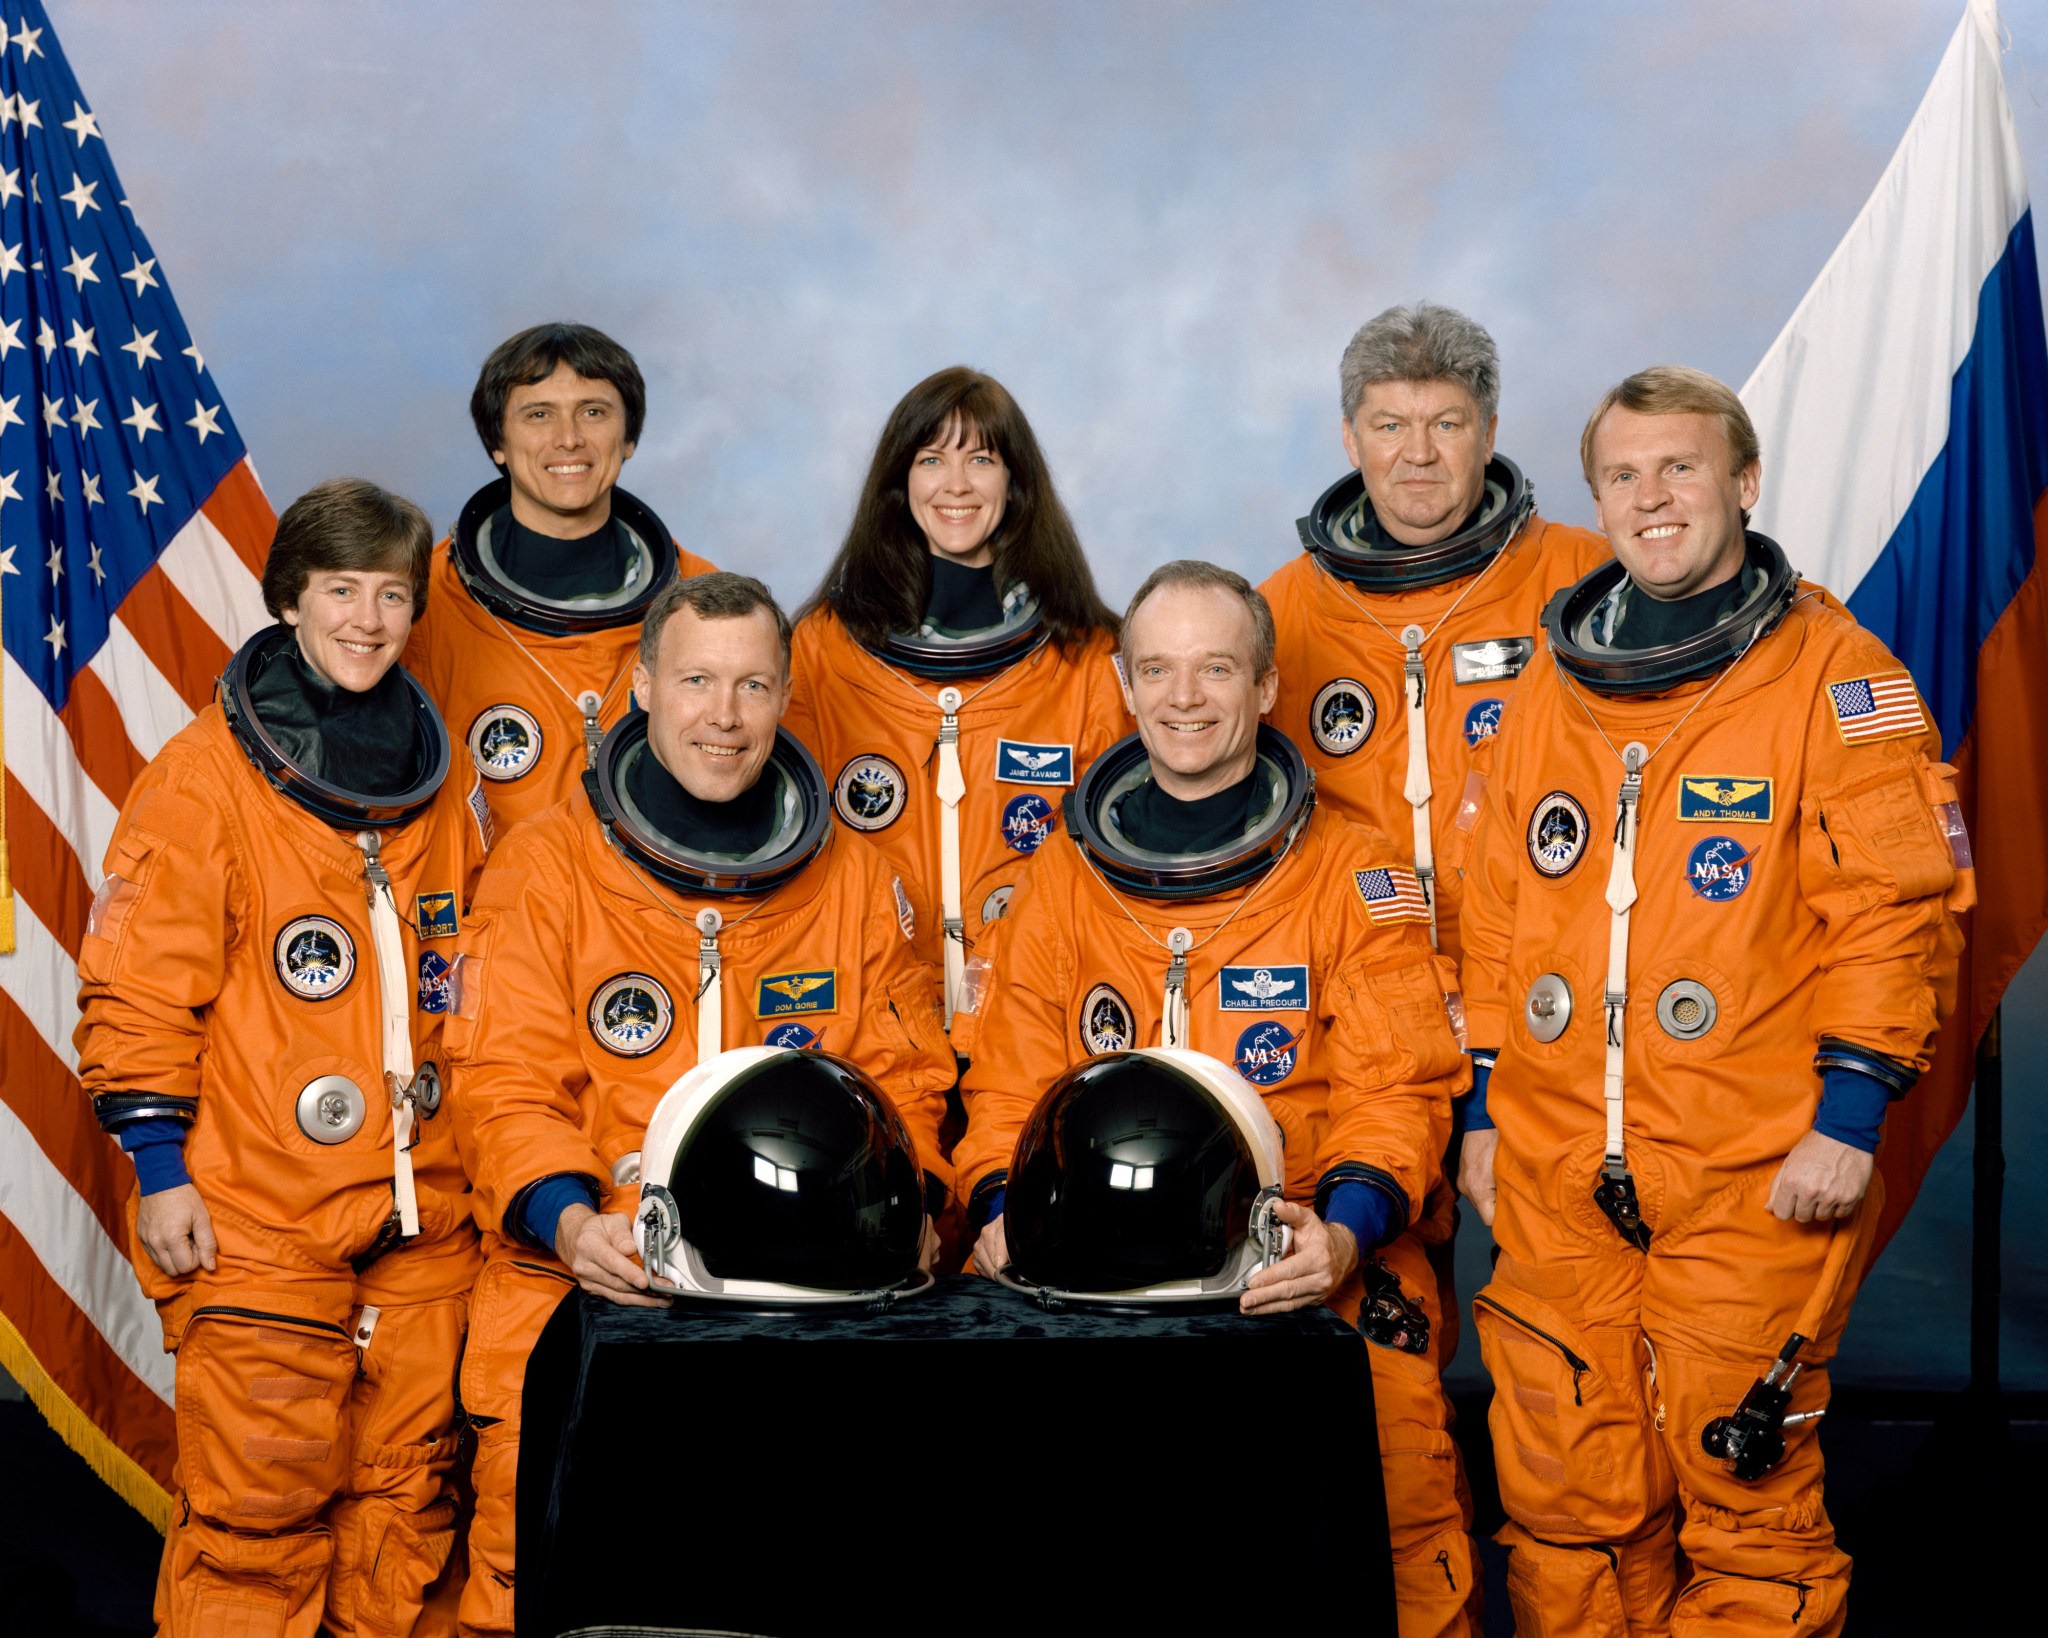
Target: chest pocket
pixel 1875 841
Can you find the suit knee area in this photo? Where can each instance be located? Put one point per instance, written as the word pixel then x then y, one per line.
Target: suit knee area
pixel 1590 1589
pixel 1438 1587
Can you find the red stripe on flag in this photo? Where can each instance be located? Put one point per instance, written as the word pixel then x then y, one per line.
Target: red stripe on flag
pixel 177 639
pixel 100 737
pixel 2004 798
pixel 46 1097
pixel 241 511
pixel 70 1348
pixel 45 870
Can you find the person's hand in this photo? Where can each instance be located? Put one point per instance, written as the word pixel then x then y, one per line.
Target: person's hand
pixel 1821 1179
pixel 1323 1255
pixel 1475 1171
pixel 176 1230
pixel 992 1248
pixel 598 1248
pixel 928 1246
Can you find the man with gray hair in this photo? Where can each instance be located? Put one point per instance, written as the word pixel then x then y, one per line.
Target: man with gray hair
pixel 1418 597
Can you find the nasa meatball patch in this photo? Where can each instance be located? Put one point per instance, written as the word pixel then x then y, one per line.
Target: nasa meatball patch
pixel 1263 989
pixel 795 1037
pixel 631 1015
pixel 1482 721
pixel 1266 1053
pixel 1027 821
pixel 1719 868
pixel 1557 833
pixel 869 792
pixel 1342 715
pixel 315 957
pixel 1021 763
pixel 436 994
pixel 504 742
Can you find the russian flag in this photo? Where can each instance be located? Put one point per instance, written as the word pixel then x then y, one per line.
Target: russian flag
pixel 1903 413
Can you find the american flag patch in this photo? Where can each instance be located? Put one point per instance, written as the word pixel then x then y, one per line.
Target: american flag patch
pixel 1391 895
pixel 1876 707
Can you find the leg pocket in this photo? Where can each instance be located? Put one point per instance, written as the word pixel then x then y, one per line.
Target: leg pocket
pixel 1573 1446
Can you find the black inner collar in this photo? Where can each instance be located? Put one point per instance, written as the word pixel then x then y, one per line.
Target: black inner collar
pixel 740 827
pixel 1160 823
pixel 1645 622
pixel 962 599
pixel 367 743
pixel 559 570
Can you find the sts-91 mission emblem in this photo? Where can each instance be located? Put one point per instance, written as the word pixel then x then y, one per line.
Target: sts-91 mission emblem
pixel 504 742
pixel 630 1015
pixel 1342 716
pixel 315 957
pixel 869 792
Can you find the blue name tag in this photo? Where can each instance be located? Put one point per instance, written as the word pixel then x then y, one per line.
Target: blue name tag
pixel 1264 989
pixel 1021 763
pixel 434 915
pixel 1724 799
pixel 781 994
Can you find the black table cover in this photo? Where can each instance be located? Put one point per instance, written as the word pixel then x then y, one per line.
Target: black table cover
pixel 965 1462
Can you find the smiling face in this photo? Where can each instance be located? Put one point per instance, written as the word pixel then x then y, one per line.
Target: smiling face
pixel 1191 683
pixel 957 488
pixel 1422 448
pixel 352 624
pixel 713 698
pixel 564 443
pixel 1670 499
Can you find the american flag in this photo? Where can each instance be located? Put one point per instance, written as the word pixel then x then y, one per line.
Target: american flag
pixel 132 534
pixel 1391 895
pixel 1877 707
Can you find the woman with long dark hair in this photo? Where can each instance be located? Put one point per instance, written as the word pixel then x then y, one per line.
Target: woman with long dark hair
pixel 954 668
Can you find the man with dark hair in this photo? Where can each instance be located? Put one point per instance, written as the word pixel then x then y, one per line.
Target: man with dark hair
pixel 694 896
pixel 1200 897
pixel 1710 934
pixel 550 569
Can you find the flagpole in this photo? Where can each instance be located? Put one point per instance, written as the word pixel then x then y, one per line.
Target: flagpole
pixel 1986 1209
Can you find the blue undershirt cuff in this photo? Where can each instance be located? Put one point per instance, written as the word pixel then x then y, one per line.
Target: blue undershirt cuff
pixel 1367 1211
pixel 1468 1114
pixel 158 1149
pixel 1852 1107
pixel 541 1214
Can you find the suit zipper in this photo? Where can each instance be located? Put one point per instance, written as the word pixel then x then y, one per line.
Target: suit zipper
pixel 295 1320
pixel 1578 1365
pixel 552 1273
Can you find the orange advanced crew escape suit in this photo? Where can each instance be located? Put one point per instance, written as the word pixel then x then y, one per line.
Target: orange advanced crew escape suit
pixel 1329 1003
pixel 1347 697
pixel 577 1009
pixel 1783 891
pixel 230 975
pixel 528 706
pixel 1022 737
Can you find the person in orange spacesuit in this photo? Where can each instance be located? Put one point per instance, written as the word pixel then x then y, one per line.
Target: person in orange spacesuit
pixel 1709 933
pixel 953 668
pixel 539 590
pixel 1202 898
pixel 262 989
pixel 696 897
pixel 1418 598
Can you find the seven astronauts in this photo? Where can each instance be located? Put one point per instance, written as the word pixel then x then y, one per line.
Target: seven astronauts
pixel 1441 861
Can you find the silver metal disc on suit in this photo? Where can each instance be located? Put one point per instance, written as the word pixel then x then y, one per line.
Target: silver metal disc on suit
pixel 1686 1009
pixel 1548 1008
pixel 426 1089
pixel 331 1109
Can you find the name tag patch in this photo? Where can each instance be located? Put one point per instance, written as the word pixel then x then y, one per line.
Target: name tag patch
pixel 780 995
pixel 434 915
pixel 1019 762
pixel 1492 660
pixel 1264 989
pixel 1724 799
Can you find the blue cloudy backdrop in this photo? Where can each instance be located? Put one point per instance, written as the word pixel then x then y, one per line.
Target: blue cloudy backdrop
pixel 1158 223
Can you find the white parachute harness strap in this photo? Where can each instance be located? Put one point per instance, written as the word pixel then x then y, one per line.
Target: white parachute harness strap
pixel 952 786
pixel 710 1026
pixel 1621 895
pixel 1173 1011
pixel 394 1006
pixel 589 702
pixel 1415 685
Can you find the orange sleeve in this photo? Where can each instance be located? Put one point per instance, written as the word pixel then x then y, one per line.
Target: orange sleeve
pixel 1878 869
pixel 156 947
pixel 1021 1034
pixel 517 1070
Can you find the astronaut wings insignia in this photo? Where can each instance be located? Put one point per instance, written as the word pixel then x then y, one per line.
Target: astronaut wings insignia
pixel 1725 799
pixel 781 994
pixel 1263 989
pixel 1019 762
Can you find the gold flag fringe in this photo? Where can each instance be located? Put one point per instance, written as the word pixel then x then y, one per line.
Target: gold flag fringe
pixel 122 1473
